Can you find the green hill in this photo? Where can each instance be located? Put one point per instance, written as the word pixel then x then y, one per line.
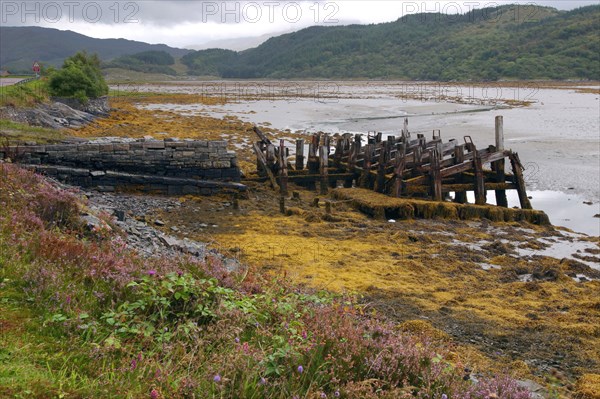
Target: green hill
pixel 147 62
pixel 20 46
pixel 489 44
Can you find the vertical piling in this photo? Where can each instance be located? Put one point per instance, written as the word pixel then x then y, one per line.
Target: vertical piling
pixel 436 176
pixel 459 157
pixel 283 170
pixel 324 164
pixel 499 166
pixel 300 154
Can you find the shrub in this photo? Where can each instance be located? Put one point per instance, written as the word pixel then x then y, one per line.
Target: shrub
pixel 80 78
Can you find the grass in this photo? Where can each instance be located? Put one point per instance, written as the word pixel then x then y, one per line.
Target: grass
pixel 24 95
pixel 82 316
pixel 16 133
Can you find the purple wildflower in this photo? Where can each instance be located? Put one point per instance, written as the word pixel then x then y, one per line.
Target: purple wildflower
pixel 300 369
pixel 262 381
pixel 153 394
pixel 217 378
pixel 237 340
pixel 151 272
pixel 444 396
pixel 336 394
pixel 323 395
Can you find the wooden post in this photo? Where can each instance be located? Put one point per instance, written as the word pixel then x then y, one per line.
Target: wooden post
pixel 324 164
pixel 383 157
pixel 313 161
pixel 436 176
pixel 418 151
pixel 459 158
pixel 328 207
pixel 499 166
pixel 261 159
pixel 236 201
pixel 271 158
pixel 339 151
pixel 405 133
pixel 365 180
pixel 282 204
pixel 480 193
pixel 519 180
pixel 300 154
pixel 283 170
pixel 353 158
pixel 400 163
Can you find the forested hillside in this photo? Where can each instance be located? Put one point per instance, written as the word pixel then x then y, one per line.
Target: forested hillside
pixel 505 42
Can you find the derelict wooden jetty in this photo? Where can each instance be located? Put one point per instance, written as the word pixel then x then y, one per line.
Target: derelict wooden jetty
pixel 400 166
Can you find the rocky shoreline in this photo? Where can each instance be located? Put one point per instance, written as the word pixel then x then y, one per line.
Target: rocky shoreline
pixel 130 216
pixel 59 113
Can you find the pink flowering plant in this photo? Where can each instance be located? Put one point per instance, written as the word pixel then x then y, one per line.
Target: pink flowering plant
pixel 123 326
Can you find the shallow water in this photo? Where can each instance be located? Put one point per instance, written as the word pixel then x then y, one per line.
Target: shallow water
pixel 566 210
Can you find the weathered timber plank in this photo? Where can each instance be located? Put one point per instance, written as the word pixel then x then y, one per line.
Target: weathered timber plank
pixel 517 168
pixel 261 159
pixel 261 136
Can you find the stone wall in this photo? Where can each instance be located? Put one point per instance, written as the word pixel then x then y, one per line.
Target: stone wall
pixel 170 166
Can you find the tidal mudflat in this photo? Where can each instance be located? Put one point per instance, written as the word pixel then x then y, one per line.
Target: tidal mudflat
pixel 554 128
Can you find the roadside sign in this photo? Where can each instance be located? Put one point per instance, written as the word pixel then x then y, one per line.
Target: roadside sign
pixel 36 67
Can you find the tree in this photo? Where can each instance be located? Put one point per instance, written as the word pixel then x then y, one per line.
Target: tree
pixel 80 77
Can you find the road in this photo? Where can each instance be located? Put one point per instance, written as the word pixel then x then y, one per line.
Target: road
pixel 10 81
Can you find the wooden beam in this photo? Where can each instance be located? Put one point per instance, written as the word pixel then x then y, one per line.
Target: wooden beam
pixel 261 136
pixel 457 188
pixel 520 181
pixel 261 159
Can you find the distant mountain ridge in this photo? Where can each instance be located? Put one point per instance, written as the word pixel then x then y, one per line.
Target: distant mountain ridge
pixel 489 44
pixel 20 46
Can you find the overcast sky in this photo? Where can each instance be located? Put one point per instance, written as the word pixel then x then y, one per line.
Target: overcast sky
pixel 191 23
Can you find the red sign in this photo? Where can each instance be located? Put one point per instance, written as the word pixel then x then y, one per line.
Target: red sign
pixel 36 67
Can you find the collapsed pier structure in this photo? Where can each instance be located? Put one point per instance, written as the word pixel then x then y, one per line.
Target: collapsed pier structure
pixel 401 166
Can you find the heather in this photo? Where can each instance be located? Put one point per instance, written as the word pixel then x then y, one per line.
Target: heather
pixel 83 316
